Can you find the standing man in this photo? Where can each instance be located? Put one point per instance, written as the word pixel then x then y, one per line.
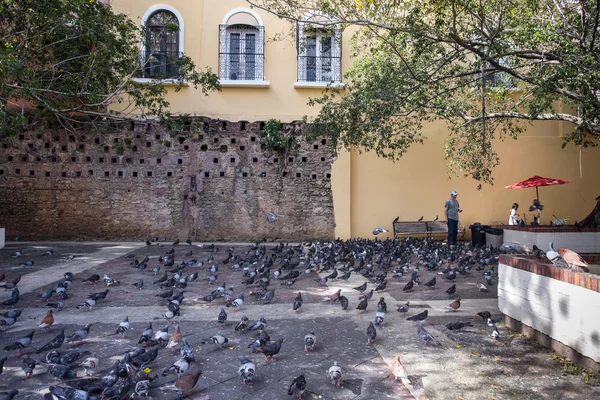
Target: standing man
pixel 451 210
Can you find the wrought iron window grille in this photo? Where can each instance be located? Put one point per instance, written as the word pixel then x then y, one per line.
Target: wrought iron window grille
pixel 319 54
pixel 241 52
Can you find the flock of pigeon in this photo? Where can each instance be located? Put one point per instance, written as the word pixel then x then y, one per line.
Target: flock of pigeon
pixel 379 262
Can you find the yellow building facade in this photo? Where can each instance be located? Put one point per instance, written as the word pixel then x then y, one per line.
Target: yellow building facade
pixel 263 78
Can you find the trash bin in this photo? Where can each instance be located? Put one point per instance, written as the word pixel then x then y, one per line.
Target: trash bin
pixel 493 237
pixel 478 234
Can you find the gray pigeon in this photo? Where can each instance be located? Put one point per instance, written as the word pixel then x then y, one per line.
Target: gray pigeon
pixel 272 217
pixel 79 335
pixel 377 231
pixel 371 333
pixel 246 370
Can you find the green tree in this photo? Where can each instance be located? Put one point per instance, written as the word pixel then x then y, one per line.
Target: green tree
pixel 486 68
pixel 71 60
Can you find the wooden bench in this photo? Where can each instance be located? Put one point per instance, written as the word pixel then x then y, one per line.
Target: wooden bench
pixel 424 228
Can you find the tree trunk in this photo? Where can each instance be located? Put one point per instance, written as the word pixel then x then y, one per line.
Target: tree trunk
pixel 592 220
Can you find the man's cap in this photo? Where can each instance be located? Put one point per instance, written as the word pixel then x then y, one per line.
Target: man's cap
pixel 453 193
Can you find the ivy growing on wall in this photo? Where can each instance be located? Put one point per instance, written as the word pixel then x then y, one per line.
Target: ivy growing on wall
pixel 278 141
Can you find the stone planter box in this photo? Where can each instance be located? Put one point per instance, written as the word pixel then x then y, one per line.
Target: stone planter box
pixel 584 241
pixel 555 306
pixel 2 235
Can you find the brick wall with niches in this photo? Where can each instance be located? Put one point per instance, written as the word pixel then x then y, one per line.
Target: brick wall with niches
pixel 216 181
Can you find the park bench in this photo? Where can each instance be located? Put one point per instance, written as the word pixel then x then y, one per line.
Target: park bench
pixel 428 229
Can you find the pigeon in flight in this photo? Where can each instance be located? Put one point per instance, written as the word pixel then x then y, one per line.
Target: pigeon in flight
pixel 377 231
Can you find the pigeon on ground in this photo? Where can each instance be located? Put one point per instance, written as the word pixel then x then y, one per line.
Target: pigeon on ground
pixel 418 317
pixel 139 284
pixel 90 364
pixel 8 321
pixel 28 365
pixel 482 287
pixel 371 333
pixel 79 335
pixel 237 303
pixel 186 350
pixel 219 341
pixel 108 281
pixel 246 371
pixel 367 295
pixel 425 336
pixel 123 327
pixel 222 316
pixel 270 350
pixel 409 286
pixel 268 296
pixel 454 326
pixel 335 374
pixel 380 315
pixel 2 361
pixel 20 343
pixel 451 290
pixel 272 217
pixel 54 343
pixel 494 333
pixel 89 303
pixel 47 321
pixel 12 313
pixel 484 314
pixel 14 298
pixel 184 383
pixel 361 288
pixel 309 342
pixel 8 395
pixel 162 336
pixel 431 283
pixel 119 389
pixel 362 305
pixel 399 372
pixel 146 334
pixel 58 306
pixel 455 305
pixel 298 302
pixel 404 307
pixel 146 357
pixel 298 387
pixel 175 339
pixel 343 302
pixel 92 279
pixel 70 357
pixel 179 367
pixel 259 325
pixel 243 325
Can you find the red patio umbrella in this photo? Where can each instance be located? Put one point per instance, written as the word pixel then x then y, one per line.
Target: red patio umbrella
pixel 536 181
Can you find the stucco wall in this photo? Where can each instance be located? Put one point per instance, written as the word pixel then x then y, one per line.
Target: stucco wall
pixel 63 186
pixel 551 305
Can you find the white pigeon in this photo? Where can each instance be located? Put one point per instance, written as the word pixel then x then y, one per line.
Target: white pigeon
pixel 237 303
pixel 309 341
pixel 90 364
pixel 247 370
pixel 377 231
pixel 335 373
pixel 554 257
pixel 272 217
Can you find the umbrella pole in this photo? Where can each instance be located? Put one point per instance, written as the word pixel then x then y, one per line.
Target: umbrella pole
pixel 537 194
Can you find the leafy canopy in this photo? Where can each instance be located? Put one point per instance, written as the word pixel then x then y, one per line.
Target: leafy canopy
pixel 486 68
pixel 71 60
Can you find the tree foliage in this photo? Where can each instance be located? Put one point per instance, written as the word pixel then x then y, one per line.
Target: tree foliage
pixel 486 68
pixel 72 60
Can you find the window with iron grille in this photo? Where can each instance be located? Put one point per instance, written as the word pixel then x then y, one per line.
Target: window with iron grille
pixel 319 54
pixel 161 54
pixel 496 80
pixel 241 52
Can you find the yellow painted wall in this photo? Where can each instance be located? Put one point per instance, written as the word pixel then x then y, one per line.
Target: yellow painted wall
pixel 369 192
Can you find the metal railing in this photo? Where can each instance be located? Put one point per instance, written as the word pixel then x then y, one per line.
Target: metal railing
pixel 319 69
pixel 241 52
pixel 160 64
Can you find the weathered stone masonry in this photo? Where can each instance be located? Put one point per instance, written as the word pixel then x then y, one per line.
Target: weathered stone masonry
pixel 214 184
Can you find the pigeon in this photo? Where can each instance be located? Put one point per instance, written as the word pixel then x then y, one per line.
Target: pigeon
pixel 454 326
pixel 90 364
pixel 162 279
pixel 259 325
pixel 399 372
pixel 367 295
pixel 162 336
pixel 573 259
pixel 309 342
pixel 237 303
pixel 8 395
pixel 404 307
pixel 380 315
pixel 176 242
pixel 335 296
pixel 554 257
pixel 175 338
pixel 79 335
pixel 11 283
pixel 298 387
pixel 71 357
pixel 246 370
pixel 179 367
pixel 123 327
pixel 431 283
pixel 484 314
pixel 108 281
pixel 494 333
pixel 92 279
pixel 28 365
pixel 67 392
pixel 482 287
pixel 222 316
pixel 59 305
pixel 425 336
pixel 381 286
pixel 343 302
pixel 409 286
pixel 146 357
pixel 14 298
pixel 89 303
pixel 146 334
pixel 268 296
pixel 371 333
pixel 186 349
pixel 119 389
pixel 47 294
pixel 377 231
pixel 298 302
pixel 20 343
pixel 184 383
pixel 418 317
pixel 362 305
pixel 270 350
pixel 361 288
pixel 8 321
pixel 335 374
pixel 219 341
pixel 451 290
pixel 435 219
pixel 455 305
pixel 242 326
pixel 12 313
pixel 54 343
pixel 2 361
pixel 272 217
pixel 420 219
pixel 139 284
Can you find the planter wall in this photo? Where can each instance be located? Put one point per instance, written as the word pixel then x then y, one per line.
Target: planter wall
pixel 584 241
pixel 554 305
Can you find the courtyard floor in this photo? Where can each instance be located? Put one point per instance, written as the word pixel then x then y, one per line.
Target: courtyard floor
pixel 467 364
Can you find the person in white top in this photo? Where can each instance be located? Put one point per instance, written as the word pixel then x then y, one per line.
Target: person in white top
pixel 514 215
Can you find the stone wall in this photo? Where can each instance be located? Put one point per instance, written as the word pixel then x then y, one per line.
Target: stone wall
pixel 216 181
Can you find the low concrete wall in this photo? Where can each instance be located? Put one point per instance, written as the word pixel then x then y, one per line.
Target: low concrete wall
pixel 553 301
pixel 586 241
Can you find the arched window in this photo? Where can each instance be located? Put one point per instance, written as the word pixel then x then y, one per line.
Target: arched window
pixel 241 46
pixel 162 44
pixel 319 52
